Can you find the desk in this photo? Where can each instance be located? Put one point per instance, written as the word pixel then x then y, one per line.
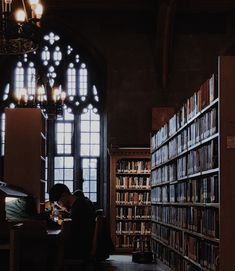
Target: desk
pixel 33 247
pixel 56 248
pixel 51 232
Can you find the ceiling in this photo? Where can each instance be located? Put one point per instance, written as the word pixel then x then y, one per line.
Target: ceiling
pixel 143 5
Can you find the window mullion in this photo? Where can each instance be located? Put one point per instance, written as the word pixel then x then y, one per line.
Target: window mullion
pixel 77 158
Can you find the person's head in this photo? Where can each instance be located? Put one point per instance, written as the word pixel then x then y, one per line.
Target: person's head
pixel 60 193
pixel 79 193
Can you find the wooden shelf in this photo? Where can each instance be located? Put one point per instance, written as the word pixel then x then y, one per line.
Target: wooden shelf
pixel 189 168
pixel 25 151
pixel 128 158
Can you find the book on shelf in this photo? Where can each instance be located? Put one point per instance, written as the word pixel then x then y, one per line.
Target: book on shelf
pixel 130 196
pixel 185 183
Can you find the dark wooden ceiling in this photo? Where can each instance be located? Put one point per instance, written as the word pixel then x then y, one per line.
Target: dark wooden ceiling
pixel 146 5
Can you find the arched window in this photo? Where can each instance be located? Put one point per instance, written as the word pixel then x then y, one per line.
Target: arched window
pixel 74 137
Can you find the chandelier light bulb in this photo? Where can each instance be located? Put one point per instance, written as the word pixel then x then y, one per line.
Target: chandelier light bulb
pixel 20 15
pixel 20 30
pixel 33 2
pixel 63 96
pixel 38 11
pixel 18 96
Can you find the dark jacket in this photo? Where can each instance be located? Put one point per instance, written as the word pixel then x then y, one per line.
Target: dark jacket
pixel 79 243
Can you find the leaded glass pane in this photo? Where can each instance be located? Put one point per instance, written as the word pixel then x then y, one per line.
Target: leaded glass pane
pixel 67 139
pixel 60 127
pixel 85 138
pixel 69 162
pixel 95 126
pixel 68 127
pixel 93 174
pixel 60 138
pixel 95 116
pixel 67 149
pixel 85 150
pixel 93 187
pixel 85 126
pixel 86 174
pixel 93 163
pixel 85 186
pixel 68 115
pixel 59 162
pixel 3 126
pixel 83 80
pixel 58 174
pixel 95 138
pixel 93 197
pixel 85 163
pixel 85 116
pixel 60 149
pixel 68 174
pixel 95 150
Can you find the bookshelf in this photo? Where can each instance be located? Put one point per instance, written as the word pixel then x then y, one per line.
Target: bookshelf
pixel 25 152
pixel 192 179
pixel 130 210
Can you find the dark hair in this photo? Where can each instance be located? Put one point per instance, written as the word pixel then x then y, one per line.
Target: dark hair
pixel 57 190
pixel 78 193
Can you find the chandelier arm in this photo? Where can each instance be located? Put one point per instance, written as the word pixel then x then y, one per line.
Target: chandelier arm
pixel 26 14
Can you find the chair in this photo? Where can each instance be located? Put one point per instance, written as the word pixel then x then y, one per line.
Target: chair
pixel 70 264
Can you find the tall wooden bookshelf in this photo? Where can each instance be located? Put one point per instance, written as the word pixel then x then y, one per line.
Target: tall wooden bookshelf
pixel 25 152
pixel 130 216
pixel 193 179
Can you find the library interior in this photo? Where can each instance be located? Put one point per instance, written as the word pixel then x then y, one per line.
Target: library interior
pixel 117 135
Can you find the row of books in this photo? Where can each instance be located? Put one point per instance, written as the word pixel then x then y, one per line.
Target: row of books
pixel 136 182
pixel 135 212
pixel 133 166
pixel 196 160
pixel 138 227
pixel 178 263
pixel 164 174
pixel 200 99
pixel 174 260
pixel 203 252
pixel 142 244
pixel 202 159
pixel 202 128
pixel 202 190
pixel 168 236
pixel 133 197
pixel 200 220
pixel 128 241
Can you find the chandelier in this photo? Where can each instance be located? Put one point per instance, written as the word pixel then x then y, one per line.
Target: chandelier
pixel 49 99
pixel 19 32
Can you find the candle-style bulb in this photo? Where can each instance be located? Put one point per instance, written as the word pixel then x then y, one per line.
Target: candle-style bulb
pixel 20 15
pixel 62 97
pixel 38 11
pixel 33 2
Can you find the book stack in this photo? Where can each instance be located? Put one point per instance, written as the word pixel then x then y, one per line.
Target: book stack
pixel 185 184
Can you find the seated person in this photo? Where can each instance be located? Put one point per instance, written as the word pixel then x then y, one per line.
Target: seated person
pixel 82 214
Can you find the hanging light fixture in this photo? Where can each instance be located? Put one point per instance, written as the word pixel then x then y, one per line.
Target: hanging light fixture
pixel 49 99
pixel 20 28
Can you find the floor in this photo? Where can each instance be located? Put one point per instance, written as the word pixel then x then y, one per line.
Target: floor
pixel 114 263
pixel 124 263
